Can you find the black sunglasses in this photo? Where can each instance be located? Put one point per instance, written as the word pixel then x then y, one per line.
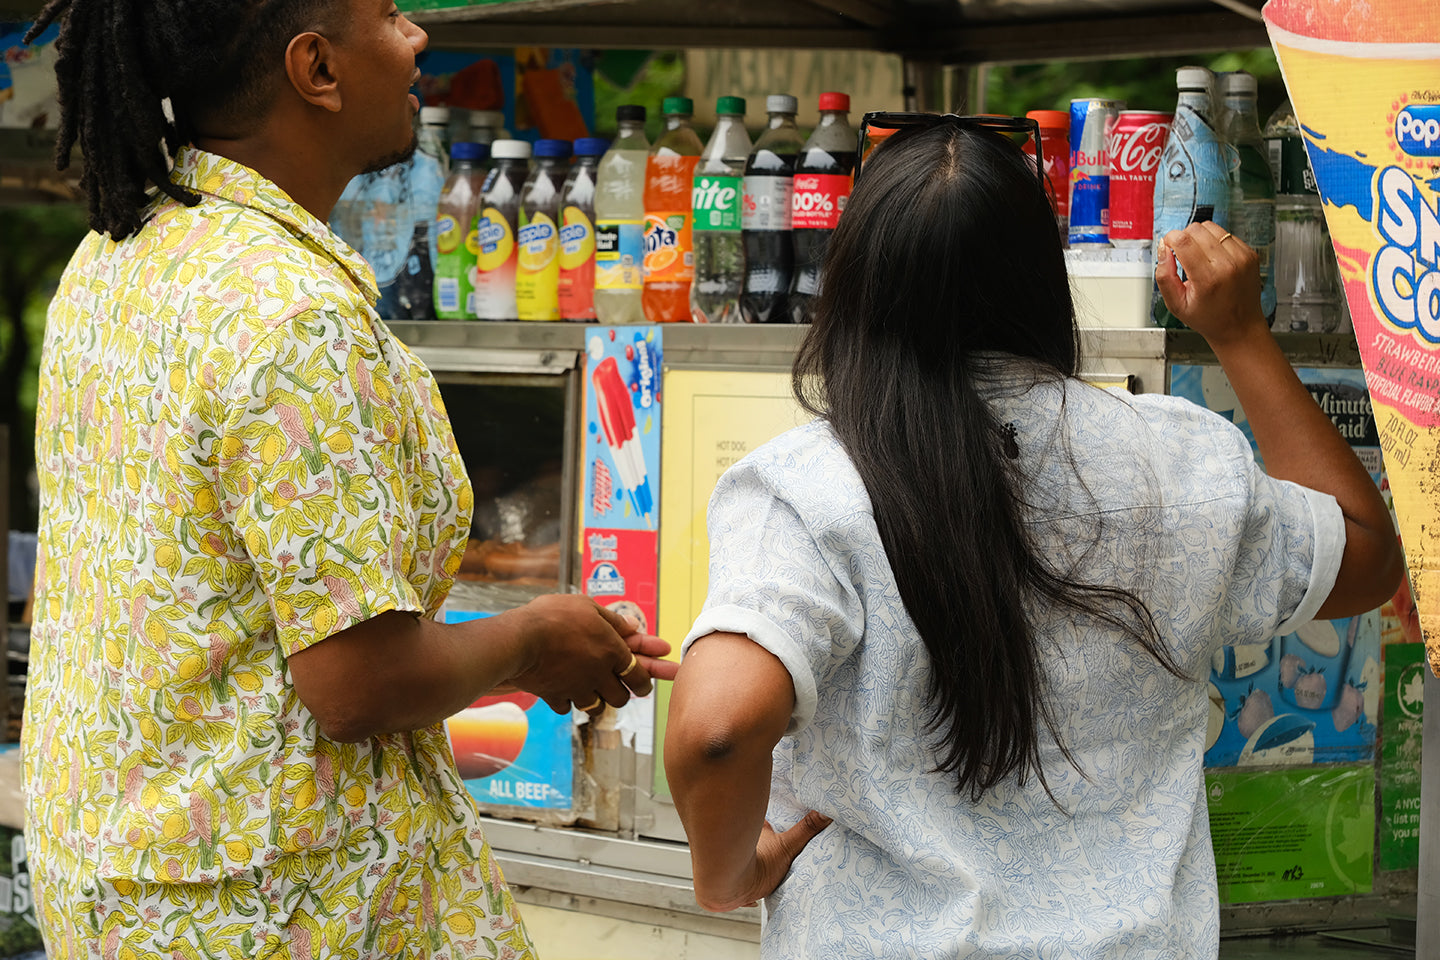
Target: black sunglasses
pixel 1009 126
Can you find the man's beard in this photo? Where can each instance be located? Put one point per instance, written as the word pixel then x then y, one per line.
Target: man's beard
pixel 390 159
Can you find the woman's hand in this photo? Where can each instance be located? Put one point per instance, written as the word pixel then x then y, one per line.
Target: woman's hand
pixel 775 853
pixel 586 655
pixel 1220 295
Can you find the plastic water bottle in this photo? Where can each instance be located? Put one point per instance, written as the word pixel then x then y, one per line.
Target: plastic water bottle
pixel 823 179
pixel 1252 186
pixel 669 251
pixel 719 189
pixel 577 232
pixel 429 167
pixel 769 188
pixel 454 258
pixel 1194 171
pixel 494 229
pixel 373 216
pixel 620 221
pixel 1307 281
pixel 537 267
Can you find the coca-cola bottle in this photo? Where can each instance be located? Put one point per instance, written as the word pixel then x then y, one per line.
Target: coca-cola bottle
pixel 765 215
pixel 823 178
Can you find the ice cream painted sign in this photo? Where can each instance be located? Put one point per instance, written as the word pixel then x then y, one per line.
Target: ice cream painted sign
pixel 1367 93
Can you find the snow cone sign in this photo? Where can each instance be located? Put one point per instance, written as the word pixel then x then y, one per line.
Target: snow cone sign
pixel 1364 77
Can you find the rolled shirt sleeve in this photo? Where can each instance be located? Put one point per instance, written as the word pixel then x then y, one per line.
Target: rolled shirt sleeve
pixel 770 581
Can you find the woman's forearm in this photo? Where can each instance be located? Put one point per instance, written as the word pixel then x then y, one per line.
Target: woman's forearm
pixel 731 704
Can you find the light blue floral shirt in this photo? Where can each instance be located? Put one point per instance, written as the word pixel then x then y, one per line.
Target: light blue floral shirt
pixel 1220 553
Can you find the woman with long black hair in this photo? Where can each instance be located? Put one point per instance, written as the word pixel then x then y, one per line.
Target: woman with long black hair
pixel 958 626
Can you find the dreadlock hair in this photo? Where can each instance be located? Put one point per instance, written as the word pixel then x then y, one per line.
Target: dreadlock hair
pixel 137 77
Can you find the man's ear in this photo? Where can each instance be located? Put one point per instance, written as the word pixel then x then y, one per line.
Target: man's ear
pixel 310 64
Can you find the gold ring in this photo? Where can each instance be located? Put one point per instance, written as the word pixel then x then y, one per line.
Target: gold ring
pixel 626 672
pixel 1226 237
pixel 591 706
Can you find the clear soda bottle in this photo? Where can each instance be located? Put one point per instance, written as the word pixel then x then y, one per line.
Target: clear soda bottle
pixel 577 232
pixel 719 247
pixel 669 251
pixel 429 168
pixel 1252 186
pixel 494 229
pixel 620 221
pixel 537 239
pixel 454 258
pixel 765 216
pixel 1194 171
pixel 1307 280
pixel 823 178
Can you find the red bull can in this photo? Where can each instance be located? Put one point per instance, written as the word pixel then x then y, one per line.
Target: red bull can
pixel 1092 121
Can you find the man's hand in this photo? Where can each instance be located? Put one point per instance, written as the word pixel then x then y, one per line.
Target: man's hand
pixel 586 655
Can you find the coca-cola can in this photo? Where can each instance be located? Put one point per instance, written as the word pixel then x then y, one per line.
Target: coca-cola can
pixel 1091 121
pixel 1055 147
pixel 1136 143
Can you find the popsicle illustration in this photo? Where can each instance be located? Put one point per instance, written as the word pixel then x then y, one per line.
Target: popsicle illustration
pixel 617 417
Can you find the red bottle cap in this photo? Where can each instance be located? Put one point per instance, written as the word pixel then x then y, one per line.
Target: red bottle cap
pixel 835 101
pixel 1050 118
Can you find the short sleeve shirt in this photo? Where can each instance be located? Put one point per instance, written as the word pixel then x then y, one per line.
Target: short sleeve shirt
pixel 236 461
pixel 1149 493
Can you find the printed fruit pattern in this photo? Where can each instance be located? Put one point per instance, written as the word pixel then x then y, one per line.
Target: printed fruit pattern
pixel 237 460
pixel 1349 708
pixel 1253 712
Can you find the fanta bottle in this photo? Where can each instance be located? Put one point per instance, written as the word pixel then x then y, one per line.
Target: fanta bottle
pixel 537 272
pixel 669 257
pixel 495 228
pixel 577 232
pixel 454 260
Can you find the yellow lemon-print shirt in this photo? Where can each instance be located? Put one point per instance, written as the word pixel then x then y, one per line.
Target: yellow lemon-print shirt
pixel 237 460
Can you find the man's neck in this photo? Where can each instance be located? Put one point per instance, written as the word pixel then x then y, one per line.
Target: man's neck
pixel 302 168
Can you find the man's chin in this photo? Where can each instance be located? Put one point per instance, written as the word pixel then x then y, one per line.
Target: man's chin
pixel 391 159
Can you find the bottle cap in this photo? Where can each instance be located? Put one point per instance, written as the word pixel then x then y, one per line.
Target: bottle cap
pixel 510 150
pixel 734 106
pixel 493 119
pixel 835 101
pixel 552 149
pixel 1194 78
pixel 1239 83
pixel 591 146
pixel 629 113
pixel 781 103
pixel 673 105
pixel 1050 119
pixel 469 151
pixel 434 116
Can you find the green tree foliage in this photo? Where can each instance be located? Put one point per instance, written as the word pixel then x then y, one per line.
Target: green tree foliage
pixel 1144 83
pixel 37 243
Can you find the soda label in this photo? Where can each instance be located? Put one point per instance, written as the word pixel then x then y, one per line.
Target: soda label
pixel 767 203
pixel 1291 166
pixel 537 276
pixel 492 239
pixel 716 203
pixel 494 271
pixel 447 234
pixel 577 265
pixel 619 255
pixel 669 251
pixel 818 200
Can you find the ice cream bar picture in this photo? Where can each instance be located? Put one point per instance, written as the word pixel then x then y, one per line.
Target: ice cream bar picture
pixel 617 418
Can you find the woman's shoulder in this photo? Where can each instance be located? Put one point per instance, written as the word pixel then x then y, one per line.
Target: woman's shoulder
pixel 806 467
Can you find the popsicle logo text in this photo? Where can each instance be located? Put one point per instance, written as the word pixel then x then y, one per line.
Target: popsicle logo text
pixel 1405 274
pixel 1417 130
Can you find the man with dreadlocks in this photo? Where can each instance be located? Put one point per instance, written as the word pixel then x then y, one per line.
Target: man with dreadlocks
pixel 251 502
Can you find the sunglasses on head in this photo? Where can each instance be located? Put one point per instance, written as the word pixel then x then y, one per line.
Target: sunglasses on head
pixel 1011 127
